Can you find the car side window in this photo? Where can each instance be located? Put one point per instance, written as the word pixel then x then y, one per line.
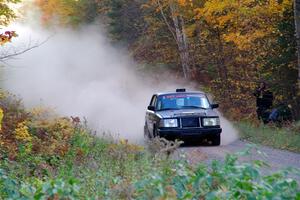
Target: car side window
pixel 153 101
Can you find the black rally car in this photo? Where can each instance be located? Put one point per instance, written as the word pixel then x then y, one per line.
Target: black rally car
pixel 182 114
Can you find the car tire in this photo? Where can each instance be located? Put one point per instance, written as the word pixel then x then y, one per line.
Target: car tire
pixel 216 141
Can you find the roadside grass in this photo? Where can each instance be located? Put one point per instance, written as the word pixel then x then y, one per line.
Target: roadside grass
pixel 285 138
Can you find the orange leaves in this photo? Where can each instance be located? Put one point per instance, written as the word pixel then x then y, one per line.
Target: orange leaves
pixel 7 36
pixel 244 41
pixel 242 22
pixel 48 9
pixel 65 12
pixel 185 3
pixel 38 131
pixel 182 2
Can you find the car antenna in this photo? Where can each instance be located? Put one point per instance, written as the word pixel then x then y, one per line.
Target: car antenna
pixel 181 90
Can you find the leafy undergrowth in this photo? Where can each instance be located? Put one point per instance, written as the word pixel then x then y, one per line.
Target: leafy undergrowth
pixel 47 157
pixel 287 138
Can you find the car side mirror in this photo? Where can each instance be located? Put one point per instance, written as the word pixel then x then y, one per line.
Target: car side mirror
pixel 215 105
pixel 152 108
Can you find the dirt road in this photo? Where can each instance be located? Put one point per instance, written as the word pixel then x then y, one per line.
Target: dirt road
pixel 277 159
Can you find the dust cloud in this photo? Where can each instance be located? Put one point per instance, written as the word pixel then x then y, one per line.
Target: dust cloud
pixel 79 73
pixel 229 133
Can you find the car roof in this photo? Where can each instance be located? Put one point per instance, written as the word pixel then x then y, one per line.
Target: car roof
pixel 174 93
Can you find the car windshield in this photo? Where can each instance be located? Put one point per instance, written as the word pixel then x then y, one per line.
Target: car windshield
pixel 182 101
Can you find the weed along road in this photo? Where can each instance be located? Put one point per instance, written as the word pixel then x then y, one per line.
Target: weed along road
pixel 276 159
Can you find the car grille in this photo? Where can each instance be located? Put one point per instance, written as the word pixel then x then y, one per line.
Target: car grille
pixel 190 122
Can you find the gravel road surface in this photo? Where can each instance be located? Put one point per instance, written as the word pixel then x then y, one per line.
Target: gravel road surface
pixel 277 159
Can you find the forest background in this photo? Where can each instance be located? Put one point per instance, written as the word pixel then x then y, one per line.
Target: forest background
pixel 227 46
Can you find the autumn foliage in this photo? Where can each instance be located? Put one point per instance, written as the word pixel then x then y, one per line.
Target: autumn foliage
pixel 35 131
pixel 66 12
pixel 229 46
pixel 7 36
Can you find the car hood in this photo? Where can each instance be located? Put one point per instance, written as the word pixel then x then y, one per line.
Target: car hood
pixel 187 112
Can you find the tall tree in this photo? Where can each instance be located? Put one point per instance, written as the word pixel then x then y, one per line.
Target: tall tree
pixel 176 25
pixel 181 39
pixel 297 28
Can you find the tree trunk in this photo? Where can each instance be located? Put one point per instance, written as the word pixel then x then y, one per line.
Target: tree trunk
pixel 181 40
pixel 297 27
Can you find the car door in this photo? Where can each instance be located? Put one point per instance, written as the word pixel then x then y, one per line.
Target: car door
pixel 150 115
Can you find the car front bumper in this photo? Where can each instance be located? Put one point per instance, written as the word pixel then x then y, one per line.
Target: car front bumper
pixel 174 133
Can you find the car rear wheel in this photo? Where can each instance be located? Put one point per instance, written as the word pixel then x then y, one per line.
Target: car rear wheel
pixel 216 141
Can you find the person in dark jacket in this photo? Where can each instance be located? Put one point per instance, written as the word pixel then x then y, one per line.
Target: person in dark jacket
pixel 264 102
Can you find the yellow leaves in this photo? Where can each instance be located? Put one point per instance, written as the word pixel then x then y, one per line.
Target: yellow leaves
pixel 64 126
pixel 1 118
pixel 244 42
pixel 215 8
pixel 41 113
pixel 21 132
pixel 131 147
pixel 190 30
pixel 242 22
pixel 217 12
pixel 123 141
pixel 225 19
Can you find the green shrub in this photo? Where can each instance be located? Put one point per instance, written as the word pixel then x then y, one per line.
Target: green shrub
pixel 36 189
pixel 222 180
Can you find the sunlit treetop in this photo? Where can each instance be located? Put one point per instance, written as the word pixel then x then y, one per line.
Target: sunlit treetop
pixel 7 14
pixel 243 21
pixel 66 12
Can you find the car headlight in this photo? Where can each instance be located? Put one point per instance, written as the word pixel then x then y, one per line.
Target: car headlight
pixel 169 123
pixel 211 121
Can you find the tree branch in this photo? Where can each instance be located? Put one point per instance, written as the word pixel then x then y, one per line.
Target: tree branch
pixel 4 57
pixel 166 21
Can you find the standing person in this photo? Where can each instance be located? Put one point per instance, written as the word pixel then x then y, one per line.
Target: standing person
pixel 264 102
